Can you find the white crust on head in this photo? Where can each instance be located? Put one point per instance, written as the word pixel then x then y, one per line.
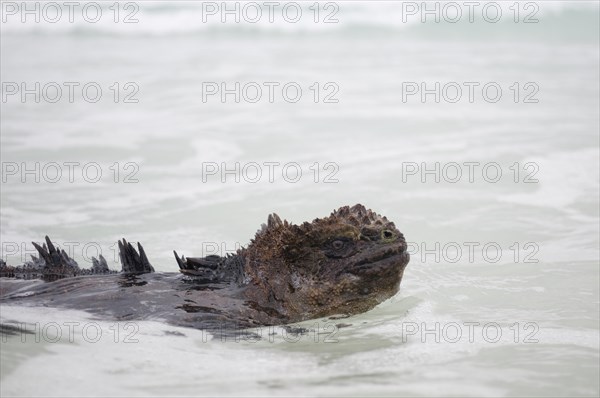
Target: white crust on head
pixel 357 215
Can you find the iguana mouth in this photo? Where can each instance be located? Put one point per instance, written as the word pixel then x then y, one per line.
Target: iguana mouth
pixel 383 260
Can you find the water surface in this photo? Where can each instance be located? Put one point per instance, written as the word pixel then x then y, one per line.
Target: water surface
pixel 469 320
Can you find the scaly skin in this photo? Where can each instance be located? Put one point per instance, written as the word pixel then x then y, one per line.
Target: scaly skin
pixel 346 263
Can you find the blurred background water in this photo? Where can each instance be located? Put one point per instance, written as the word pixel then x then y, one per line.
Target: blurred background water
pixel 518 252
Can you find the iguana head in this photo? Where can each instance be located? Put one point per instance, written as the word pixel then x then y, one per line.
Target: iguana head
pixel 346 263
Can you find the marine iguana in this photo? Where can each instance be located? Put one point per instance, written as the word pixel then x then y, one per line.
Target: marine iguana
pixel 345 264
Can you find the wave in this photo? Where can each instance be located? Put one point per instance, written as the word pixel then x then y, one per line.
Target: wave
pixel 443 20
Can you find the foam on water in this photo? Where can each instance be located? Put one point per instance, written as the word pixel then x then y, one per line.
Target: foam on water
pixel 188 17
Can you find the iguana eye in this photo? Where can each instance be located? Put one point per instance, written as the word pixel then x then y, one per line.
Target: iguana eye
pixel 387 234
pixel 339 248
pixel 337 244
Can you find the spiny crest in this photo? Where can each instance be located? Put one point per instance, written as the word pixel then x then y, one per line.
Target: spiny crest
pixel 357 215
pixel 273 223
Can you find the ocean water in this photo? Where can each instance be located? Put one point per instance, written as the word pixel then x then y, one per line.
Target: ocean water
pixel 496 189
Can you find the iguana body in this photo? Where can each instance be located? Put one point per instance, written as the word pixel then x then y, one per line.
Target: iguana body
pixel 342 264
